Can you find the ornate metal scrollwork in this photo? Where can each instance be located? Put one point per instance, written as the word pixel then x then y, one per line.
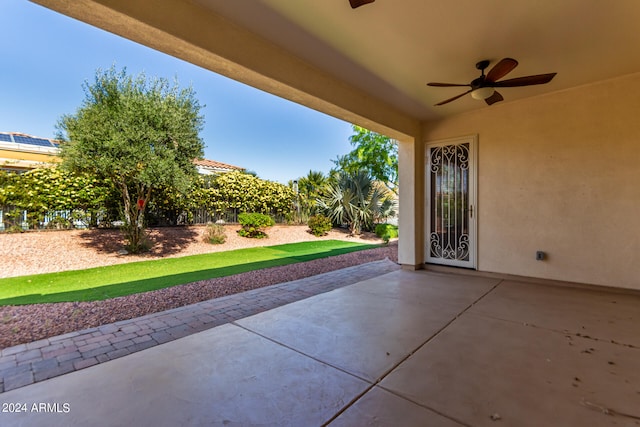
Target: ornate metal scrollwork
pixel 449 168
pixel 441 246
pixel 448 154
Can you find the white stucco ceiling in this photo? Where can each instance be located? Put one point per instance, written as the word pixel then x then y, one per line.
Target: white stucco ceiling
pixel 393 48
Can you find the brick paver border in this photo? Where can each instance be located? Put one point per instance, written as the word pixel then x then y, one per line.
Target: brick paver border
pixel 36 361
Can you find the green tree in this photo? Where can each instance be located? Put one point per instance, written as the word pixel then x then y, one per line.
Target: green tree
pixel 311 184
pixel 375 153
pixel 139 133
pixel 357 200
pixel 310 187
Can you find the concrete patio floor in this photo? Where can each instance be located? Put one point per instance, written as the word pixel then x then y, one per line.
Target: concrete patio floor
pixel 402 349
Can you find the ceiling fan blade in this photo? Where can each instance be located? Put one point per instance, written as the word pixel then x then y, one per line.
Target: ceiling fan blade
pixel 446 101
pixel 538 79
pixel 358 3
pixel 446 84
pixel 501 69
pixel 496 97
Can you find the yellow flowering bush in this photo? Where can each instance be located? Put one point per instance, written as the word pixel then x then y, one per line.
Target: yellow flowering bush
pixel 47 191
pixel 43 193
pixel 243 193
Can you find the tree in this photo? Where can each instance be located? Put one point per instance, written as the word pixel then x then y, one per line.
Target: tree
pixel 311 184
pixel 310 187
pixel 375 153
pixel 357 200
pixel 139 133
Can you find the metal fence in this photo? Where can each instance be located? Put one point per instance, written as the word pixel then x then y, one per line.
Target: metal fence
pixel 203 216
pixel 12 219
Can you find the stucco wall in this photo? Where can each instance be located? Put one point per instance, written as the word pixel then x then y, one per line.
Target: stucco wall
pixel 411 215
pixel 559 173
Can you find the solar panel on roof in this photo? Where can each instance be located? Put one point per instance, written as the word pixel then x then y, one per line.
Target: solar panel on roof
pixel 21 139
pixel 44 142
pixel 5 137
pixel 32 141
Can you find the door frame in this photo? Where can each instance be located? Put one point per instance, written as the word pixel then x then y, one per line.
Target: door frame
pixel 472 263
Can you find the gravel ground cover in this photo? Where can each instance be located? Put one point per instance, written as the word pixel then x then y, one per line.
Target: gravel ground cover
pixel 50 251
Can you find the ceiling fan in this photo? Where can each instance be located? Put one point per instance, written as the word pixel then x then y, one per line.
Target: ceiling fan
pixel 358 3
pixel 483 86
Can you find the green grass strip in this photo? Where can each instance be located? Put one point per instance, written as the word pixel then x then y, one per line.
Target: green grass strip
pixel 125 279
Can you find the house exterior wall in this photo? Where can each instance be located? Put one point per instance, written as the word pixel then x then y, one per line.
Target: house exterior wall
pixel 24 155
pixel 27 159
pixel 558 173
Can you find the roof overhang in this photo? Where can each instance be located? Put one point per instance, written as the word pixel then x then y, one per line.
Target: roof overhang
pixel 370 65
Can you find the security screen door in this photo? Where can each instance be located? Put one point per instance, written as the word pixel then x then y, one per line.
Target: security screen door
pixel 451 210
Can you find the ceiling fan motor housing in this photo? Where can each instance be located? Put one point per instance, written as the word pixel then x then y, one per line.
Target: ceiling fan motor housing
pixel 477 83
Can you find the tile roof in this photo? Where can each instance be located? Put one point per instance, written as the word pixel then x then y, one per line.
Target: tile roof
pixel 215 165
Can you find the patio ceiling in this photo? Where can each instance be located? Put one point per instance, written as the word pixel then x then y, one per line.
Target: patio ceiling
pixel 391 49
pixel 370 65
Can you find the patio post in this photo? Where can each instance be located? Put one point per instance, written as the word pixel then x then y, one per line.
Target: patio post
pixel 411 203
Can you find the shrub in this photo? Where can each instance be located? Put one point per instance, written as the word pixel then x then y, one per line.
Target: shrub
pixel 144 244
pixel 355 199
pixel 50 190
pixel 254 224
pixel 215 234
pixel 246 193
pixel 14 229
pixel 59 223
pixel 389 230
pixel 319 225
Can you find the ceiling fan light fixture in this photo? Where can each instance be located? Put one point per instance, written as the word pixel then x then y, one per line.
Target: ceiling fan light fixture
pixel 482 93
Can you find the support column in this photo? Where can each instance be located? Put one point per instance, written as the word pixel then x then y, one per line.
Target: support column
pixel 412 203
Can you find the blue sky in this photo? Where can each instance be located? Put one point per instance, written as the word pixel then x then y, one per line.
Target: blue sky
pixel 46 57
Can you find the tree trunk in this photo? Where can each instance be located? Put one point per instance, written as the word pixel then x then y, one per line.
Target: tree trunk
pixel 133 229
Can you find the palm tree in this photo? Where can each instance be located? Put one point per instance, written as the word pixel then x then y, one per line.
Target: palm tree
pixel 312 184
pixel 310 188
pixel 357 200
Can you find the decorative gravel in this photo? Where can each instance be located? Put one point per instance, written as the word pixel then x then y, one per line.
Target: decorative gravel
pixel 40 252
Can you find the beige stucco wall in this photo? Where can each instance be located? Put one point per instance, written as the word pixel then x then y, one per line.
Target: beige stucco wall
pixel 559 173
pixel 411 212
